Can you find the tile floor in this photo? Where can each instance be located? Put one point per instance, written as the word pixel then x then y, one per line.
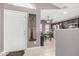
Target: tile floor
pixel 47 50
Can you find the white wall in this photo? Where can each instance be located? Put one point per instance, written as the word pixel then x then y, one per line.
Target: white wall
pixel 67 42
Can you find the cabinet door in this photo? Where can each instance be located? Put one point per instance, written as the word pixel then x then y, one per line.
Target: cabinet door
pixel 14 30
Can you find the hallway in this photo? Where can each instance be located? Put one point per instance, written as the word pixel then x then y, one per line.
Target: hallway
pixel 24 27
pixel 47 50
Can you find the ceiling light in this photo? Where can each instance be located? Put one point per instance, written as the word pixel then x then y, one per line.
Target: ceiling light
pixel 65 12
pixel 55 17
pixel 60 5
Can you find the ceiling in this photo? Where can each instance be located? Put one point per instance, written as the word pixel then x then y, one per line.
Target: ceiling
pixel 56 11
pixel 66 11
pixel 36 5
pixel 27 5
pixel 45 6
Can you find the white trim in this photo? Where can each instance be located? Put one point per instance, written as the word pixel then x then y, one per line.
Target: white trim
pixel 26 27
pixel 33 48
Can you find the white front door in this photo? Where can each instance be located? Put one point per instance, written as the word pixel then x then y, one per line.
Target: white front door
pixel 14 30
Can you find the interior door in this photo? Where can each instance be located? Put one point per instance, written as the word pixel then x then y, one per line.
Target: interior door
pixel 14 30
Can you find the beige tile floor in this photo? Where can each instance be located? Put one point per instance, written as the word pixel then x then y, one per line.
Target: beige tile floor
pixel 47 50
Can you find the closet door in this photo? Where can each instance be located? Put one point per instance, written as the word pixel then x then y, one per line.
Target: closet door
pixel 14 30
